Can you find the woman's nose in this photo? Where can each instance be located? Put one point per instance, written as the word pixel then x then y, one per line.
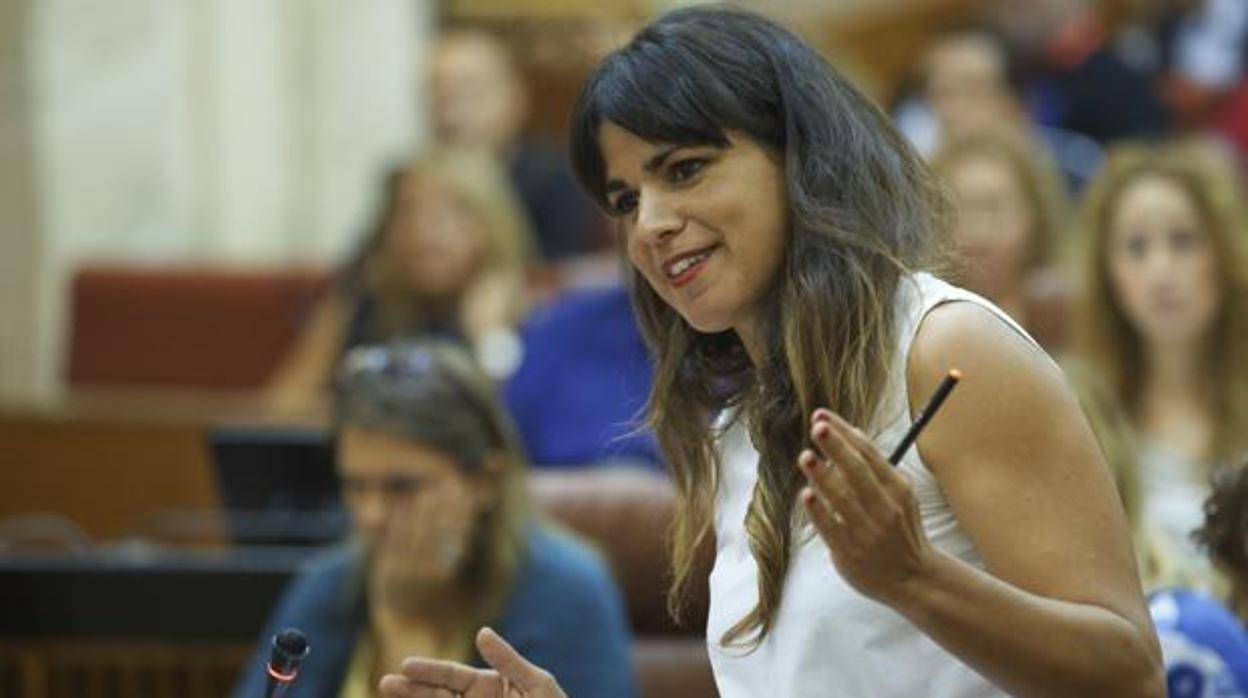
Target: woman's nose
pixel 657 217
pixel 370 513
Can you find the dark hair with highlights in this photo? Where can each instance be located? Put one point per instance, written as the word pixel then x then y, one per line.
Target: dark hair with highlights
pixel 863 211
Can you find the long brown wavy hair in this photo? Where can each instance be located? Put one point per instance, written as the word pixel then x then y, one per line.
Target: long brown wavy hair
pixel 1104 335
pixel 863 212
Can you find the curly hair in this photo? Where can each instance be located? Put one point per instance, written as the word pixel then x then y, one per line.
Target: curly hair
pixel 1225 531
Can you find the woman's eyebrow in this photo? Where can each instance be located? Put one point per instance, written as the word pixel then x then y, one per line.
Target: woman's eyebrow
pixel 654 162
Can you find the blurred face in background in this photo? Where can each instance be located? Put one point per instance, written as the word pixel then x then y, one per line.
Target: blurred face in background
pixel 435 241
pixel 1030 24
pixel 966 85
pixel 413 506
pixel 477 98
pixel 995 228
pixel 1161 263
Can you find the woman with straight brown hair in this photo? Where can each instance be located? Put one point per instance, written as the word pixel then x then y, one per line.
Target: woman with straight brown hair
pixel 1163 315
pixel 778 227
pixel 444 540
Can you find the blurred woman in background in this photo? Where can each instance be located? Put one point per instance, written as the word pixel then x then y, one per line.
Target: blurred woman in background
pixel 446 258
pixel 445 542
pixel 1159 565
pixel 1163 315
pixel 1009 203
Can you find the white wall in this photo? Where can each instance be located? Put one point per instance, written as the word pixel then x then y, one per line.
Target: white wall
pixel 21 250
pixel 234 132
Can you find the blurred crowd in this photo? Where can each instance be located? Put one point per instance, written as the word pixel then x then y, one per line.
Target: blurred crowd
pixel 1094 166
pixel 1093 163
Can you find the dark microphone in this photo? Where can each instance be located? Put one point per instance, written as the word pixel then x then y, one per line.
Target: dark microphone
pixel 289 648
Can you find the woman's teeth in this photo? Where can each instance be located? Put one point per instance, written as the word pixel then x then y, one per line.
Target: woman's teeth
pixel 683 265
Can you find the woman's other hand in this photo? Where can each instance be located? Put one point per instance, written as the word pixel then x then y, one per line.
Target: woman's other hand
pixel 863 509
pixel 510 676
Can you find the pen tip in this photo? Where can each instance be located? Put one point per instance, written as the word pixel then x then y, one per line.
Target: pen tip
pixel 955 374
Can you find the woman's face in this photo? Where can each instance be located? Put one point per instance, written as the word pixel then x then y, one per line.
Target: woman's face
pixel 435 241
pixel 706 226
pixel 995 224
pixel 412 505
pixel 1161 263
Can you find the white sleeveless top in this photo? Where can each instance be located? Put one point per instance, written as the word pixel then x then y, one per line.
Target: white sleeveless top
pixel 827 639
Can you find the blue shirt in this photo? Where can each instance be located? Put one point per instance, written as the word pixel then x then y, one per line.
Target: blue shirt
pixel 564 614
pixel 579 394
pixel 1204 645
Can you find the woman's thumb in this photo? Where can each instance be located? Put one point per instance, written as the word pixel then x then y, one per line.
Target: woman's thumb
pixel 508 662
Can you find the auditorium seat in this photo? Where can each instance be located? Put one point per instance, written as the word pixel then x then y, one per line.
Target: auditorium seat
pixel 625 512
pixel 193 327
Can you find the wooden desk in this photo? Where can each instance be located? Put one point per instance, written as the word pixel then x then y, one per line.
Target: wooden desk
pixel 111 461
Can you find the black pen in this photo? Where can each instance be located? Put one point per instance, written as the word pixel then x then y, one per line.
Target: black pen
pixel 938 398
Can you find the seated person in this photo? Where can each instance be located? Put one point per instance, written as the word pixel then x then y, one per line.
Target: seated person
pixel 1162 313
pixel 1010 212
pixel 445 259
pixel 577 395
pixel 445 542
pixel 1159 563
pixel 1205 645
pixel 968 83
pixel 479 97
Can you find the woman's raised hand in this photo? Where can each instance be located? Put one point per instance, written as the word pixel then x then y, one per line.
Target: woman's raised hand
pixel 510 676
pixel 863 509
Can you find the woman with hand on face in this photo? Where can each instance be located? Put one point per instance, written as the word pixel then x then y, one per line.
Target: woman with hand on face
pixel 446 259
pixel 445 542
pixel 777 225
pixel 1164 316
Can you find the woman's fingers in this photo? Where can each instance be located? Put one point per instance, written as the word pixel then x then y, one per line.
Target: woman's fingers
pixel 515 669
pixel 829 484
pixel 423 676
pixel 395 686
pixel 835 439
pixel 832 532
pixel 511 673
pixel 877 464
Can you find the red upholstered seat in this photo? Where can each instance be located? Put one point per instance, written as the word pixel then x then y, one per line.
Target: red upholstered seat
pixel 185 327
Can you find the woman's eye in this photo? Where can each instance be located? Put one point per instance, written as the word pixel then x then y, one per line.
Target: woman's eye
pixel 1183 240
pixel 684 169
pixel 1136 246
pixel 623 204
pixel 401 486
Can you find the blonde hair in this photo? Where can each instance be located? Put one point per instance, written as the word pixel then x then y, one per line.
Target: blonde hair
pixel 1037 176
pixel 478 180
pixel 1104 334
pixel 1158 564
